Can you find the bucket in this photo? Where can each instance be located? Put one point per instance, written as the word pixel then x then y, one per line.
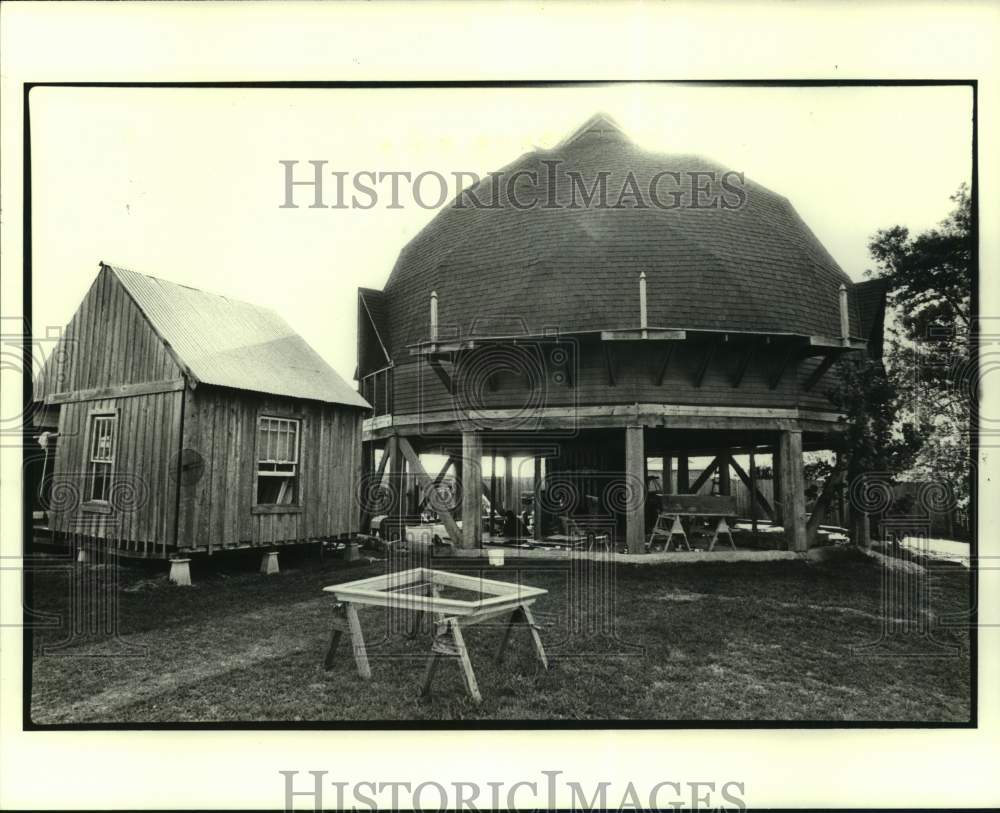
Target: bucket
pixel 496 557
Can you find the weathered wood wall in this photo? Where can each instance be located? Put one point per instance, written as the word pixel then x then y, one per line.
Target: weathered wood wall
pixel 144 491
pixel 217 508
pixel 419 388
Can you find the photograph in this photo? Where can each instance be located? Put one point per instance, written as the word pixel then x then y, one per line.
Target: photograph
pixel 504 404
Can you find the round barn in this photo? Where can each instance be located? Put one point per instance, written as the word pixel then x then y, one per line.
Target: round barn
pixel 606 310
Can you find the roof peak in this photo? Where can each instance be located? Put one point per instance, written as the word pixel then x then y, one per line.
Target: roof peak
pixel 600 125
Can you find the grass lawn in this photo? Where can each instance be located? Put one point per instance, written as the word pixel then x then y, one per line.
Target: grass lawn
pixel 743 641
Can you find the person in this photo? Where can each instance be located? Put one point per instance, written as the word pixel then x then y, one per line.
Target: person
pixel 653 502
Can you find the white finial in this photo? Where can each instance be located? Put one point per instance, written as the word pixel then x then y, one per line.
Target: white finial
pixel 434 316
pixel 643 324
pixel 845 325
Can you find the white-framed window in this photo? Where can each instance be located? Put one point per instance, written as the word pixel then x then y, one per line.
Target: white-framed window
pixel 277 460
pixel 101 456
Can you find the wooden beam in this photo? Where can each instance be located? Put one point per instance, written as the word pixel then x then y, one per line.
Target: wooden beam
pixel 744 363
pixel 706 359
pixel 635 466
pixel 609 361
pixel 703 477
pixel 668 353
pixel 673 416
pixel 117 391
pixel 445 377
pixel 454 532
pixel 439 478
pixel 754 493
pixel 668 474
pixel 819 372
pixel 651 334
pixel 823 503
pixel 784 361
pixel 472 480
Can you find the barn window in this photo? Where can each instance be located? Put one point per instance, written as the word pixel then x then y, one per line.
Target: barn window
pixel 102 456
pixel 277 461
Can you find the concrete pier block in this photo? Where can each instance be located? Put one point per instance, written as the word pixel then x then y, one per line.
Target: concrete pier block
pixel 180 572
pixel 269 563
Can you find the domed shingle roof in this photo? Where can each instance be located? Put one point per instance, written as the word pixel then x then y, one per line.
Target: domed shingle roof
pixel 505 269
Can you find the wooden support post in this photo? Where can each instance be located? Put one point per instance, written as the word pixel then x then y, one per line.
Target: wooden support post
pixel 366 485
pixel 536 637
pixel 397 481
pixel 793 489
pixel 463 659
pixel 339 627
pixel 537 487
pixel 358 642
pixel 510 503
pixel 472 487
pixel 523 615
pixel 724 485
pixel 493 491
pixel 778 498
pixel 683 478
pixel 668 474
pixel 753 493
pixel 635 465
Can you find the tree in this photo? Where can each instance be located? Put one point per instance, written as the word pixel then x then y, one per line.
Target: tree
pixel 928 356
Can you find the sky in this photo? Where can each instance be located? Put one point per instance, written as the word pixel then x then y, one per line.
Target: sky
pixel 187 184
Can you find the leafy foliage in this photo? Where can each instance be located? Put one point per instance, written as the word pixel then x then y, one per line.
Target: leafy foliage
pixel 928 356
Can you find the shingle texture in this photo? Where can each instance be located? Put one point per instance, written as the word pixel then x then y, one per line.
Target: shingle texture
pixel 228 343
pixel 756 268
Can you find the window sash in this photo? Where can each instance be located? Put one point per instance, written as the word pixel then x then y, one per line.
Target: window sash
pixel 277 441
pixel 102 439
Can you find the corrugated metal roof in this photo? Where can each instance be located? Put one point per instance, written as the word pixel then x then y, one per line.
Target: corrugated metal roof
pixel 229 343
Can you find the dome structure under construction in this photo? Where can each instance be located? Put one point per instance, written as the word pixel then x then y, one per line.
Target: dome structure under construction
pixel 597 304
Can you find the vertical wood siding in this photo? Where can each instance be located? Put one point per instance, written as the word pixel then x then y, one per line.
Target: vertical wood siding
pixel 144 488
pixel 221 425
pixel 107 342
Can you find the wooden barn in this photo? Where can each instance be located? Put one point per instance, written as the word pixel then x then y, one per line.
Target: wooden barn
pixel 182 421
pixel 603 342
